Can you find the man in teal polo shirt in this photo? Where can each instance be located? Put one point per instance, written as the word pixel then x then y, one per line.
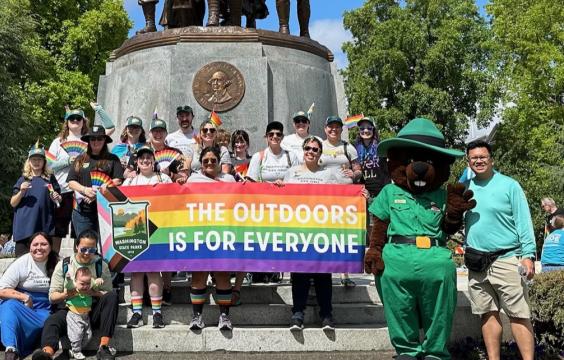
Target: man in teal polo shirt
pixel 501 221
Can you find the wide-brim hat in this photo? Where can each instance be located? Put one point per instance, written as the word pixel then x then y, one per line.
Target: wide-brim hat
pixel 96 130
pixel 419 133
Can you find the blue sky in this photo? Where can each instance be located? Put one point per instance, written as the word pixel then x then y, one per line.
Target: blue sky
pixel 326 22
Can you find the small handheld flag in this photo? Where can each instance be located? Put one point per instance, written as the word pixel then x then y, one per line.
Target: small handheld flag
pixel 310 110
pixel 51 191
pixel 352 121
pixel 214 118
pixel 51 158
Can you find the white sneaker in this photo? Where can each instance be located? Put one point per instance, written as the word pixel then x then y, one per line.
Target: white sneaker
pixel 224 322
pixel 77 355
pixel 197 322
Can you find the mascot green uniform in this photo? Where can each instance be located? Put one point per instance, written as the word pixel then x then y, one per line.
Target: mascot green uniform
pixel 416 275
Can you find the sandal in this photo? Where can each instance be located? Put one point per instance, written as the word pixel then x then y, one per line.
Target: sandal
pixel 348 283
pixel 236 298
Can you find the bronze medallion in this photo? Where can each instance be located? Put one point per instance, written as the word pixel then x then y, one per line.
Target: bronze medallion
pixel 218 86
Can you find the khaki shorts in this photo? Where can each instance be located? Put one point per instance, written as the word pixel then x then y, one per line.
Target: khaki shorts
pixel 499 287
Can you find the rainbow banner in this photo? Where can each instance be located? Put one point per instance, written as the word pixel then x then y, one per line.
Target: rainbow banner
pixel 233 227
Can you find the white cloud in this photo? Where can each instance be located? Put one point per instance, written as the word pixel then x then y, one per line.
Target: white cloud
pixel 331 33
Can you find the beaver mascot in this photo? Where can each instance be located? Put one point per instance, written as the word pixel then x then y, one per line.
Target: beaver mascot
pixel 414 270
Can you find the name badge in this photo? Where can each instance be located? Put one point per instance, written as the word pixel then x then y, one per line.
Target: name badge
pixel 400 201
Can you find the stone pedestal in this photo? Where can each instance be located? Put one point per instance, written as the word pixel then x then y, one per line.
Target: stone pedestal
pixel 282 73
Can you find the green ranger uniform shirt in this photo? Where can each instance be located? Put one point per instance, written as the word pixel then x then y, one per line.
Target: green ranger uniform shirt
pixel 411 214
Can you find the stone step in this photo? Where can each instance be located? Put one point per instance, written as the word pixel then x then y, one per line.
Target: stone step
pixel 262 314
pixel 178 338
pixel 276 294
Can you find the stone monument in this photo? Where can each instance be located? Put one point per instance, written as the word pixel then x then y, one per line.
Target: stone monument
pixel 249 77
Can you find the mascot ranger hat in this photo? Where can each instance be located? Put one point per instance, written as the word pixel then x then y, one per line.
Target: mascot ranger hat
pixel 419 133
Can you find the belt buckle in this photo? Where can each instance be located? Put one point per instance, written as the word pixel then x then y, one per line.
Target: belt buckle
pixel 423 242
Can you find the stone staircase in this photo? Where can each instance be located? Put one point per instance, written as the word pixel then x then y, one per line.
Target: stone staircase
pixel 261 323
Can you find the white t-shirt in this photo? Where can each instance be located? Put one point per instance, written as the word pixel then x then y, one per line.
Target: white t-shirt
pixel 26 274
pixel 141 179
pixel 182 141
pixel 225 157
pixel 61 155
pixel 199 177
pixel 334 156
pixel 271 167
pixel 302 175
pixel 295 144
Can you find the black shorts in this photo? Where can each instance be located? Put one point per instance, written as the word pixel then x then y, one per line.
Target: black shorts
pixel 63 215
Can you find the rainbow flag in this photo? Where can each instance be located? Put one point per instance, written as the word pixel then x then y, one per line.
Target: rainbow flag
pixel 352 121
pixel 233 227
pixel 51 158
pixel 214 118
pixel 99 178
pixel 74 147
pixel 242 169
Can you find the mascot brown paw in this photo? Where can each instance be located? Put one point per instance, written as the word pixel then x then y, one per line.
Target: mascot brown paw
pixel 459 200
pixel 373 263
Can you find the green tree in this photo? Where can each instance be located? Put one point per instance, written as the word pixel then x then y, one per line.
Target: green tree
pixel 419 58
pixel 52 53
pixel 528 51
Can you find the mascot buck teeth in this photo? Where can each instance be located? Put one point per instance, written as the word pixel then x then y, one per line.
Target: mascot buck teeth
pixel 416 276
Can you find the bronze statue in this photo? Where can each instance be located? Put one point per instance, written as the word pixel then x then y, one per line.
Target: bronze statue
pixel 234 6
pixel 148 7
pixel 283 9
pixel 181 13
pixel 252 10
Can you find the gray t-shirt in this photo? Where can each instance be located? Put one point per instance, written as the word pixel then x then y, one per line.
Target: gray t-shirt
pixel 302 175
pixel 334 156
pixel 26 274
pixel 266 166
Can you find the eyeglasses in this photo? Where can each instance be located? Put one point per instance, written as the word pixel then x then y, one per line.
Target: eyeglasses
pixel 275 133
pixel 86 250
pixel 478 158
pixel 97 138
pixel 366 128
pixel 310 148
pixel 301 121
pixel 208 130
pixel 212 161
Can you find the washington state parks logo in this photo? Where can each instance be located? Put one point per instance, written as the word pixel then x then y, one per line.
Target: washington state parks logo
pixel 130 228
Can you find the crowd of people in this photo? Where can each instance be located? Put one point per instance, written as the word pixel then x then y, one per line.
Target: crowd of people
pixel 46 299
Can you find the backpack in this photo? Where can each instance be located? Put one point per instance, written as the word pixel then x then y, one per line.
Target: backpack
pixel 98 265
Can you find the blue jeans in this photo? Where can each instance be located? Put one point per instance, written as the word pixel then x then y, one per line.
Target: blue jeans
pixel 84 221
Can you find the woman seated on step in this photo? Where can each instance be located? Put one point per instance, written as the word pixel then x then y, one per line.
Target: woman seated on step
pixel 25 303
pixel 103 315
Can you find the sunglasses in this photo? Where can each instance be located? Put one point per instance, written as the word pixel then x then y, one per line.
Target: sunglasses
pixel 301 121
pixel 75 118
pixel 86 250
pixel 311 148
pixel 97 138
pixel 208 130
pixel 366 128
pixel 275 133
pixel 209 161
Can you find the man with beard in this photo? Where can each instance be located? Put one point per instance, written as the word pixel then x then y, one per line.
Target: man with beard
pixel 183 138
